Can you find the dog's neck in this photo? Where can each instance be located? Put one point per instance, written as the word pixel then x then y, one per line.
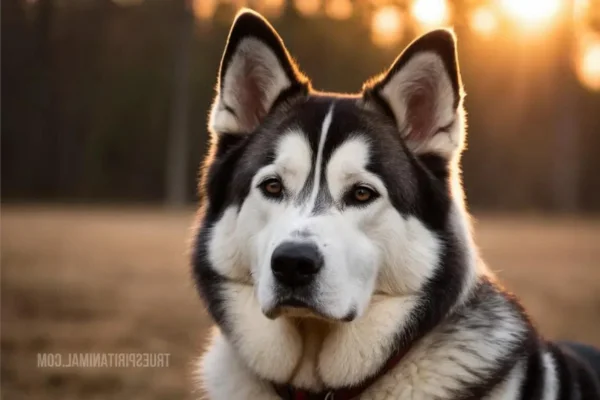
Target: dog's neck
pixel 313 354
pixel 340 354
pixel 313 333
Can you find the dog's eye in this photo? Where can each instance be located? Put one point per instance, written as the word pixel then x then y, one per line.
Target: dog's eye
pixel 272 187
pixel 361 195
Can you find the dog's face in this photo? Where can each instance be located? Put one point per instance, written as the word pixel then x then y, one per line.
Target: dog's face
pixel 320 201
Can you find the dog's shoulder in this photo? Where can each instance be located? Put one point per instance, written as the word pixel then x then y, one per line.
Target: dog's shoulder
pixel 489 349
pixel 477 351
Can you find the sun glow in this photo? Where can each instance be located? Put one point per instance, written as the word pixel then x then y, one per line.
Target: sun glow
pixel 386 26
pixel 484 21
pixel 532 13
pixel 339 9
pixel 588 64
pixel 308 8
pixel 430 13
pixel 204 9
pixel 271 8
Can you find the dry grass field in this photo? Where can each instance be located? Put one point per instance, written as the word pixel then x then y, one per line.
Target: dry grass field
pixel 78 279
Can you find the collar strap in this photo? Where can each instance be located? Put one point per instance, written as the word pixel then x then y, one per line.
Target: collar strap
pixel 288 392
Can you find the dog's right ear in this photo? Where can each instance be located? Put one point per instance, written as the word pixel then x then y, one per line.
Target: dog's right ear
pixel 256 72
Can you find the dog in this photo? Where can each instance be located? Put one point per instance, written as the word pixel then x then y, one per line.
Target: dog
pixel 333 248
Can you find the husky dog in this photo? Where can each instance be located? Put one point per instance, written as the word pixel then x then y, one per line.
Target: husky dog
pixel 333 248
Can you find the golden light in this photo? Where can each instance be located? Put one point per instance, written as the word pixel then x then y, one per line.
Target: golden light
pixel 582 7
pixel 531 13
pixel 430 13
pixel 308 7
pixel 270 8
pixel 588 64
pixel 484 21
pixel 204 9
pixel 237 4
pixel 386 26
pixel 338 9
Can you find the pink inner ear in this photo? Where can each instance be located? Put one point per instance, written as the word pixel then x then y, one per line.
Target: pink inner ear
pixel 251 93
pixel 420 109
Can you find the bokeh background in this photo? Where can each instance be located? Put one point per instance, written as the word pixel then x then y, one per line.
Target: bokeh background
pixel 104 108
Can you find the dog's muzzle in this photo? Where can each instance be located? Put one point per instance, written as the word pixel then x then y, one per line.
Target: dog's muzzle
pixel 295 267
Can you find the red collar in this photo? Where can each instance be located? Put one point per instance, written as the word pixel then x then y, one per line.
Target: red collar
pixel 288 392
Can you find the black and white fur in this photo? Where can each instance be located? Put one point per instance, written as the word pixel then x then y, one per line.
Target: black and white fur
pixel 399 272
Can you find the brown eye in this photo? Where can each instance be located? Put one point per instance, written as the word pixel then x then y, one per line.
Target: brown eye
pixel 272 187
pixel 361 195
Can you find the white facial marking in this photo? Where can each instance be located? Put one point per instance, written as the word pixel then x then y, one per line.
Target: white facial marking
pixel 227 253
pixel 347 166
pixel 319 159
pixel 292 162
pixel 411 253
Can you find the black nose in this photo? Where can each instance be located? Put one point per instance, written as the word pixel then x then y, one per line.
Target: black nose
pixel 296 264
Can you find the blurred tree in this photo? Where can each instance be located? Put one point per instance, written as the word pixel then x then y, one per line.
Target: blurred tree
pixel 566 164
pixel 178 138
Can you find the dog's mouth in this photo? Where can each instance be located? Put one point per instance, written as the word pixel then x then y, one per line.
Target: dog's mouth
pixel 300 308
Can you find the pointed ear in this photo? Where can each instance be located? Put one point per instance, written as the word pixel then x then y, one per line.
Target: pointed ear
pixel 422 91
pixel 256 71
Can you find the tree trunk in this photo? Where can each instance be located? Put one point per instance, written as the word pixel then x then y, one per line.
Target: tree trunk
pixel 567 157
pixel 178 135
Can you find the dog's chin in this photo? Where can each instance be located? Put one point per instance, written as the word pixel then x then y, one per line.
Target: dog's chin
pixel 300 309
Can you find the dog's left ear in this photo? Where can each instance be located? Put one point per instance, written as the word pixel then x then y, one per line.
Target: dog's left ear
pixel 422 91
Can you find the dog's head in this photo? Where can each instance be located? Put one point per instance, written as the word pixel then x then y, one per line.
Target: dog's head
pixel 320 201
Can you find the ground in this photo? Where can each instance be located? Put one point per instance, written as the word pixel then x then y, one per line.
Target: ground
pixel 89 279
